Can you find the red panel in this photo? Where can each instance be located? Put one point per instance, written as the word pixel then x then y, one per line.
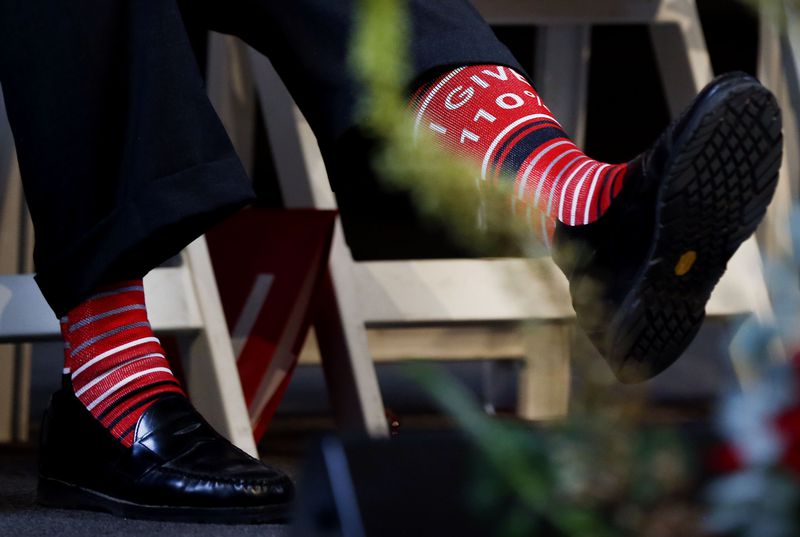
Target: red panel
pixel 269 264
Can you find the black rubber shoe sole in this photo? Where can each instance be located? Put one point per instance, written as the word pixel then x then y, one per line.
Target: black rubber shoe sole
pixel 58 494
pixel 719 179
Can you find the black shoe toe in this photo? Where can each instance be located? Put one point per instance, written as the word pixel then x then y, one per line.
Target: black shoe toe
pixel 178 468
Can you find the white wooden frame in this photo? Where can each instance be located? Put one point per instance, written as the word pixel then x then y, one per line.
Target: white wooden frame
pixel 397 294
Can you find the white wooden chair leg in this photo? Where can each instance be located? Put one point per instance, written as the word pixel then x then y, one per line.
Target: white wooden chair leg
pixel 778 70
pixel 681 53
pixel 15 257
pixel 544 383
pixel 349 371
pixel 294 165
pixel 341 331
pixel 231 91
pixel 25 351
pixel 562 74
pixel 791 54
pixel 212 376
pixel 9 246
pixel 7 380
pixel 9 219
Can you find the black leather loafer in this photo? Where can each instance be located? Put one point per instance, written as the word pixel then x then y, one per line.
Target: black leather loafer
pixel 641 275
pixel 178 468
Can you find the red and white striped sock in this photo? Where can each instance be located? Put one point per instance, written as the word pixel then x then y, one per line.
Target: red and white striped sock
pixel 116 365
pixel 493 115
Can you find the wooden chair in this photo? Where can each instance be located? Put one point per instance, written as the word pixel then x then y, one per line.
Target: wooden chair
pixel 442 295
pixel 387 296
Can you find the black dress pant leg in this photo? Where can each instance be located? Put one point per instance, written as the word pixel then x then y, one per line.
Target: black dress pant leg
pixel 124 160
pixel 308 42
pixel 122 157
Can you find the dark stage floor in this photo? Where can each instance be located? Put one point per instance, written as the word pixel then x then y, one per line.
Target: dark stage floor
pixel 21 517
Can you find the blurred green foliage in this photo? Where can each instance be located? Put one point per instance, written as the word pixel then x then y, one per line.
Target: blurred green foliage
pixel 442 185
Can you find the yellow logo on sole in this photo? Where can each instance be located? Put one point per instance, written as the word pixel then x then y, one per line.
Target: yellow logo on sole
pixel 685 263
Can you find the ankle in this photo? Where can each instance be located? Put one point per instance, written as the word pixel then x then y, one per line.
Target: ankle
pixel 114 364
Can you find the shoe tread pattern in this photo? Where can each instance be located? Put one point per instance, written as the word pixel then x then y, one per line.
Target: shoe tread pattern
pixel 714 196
